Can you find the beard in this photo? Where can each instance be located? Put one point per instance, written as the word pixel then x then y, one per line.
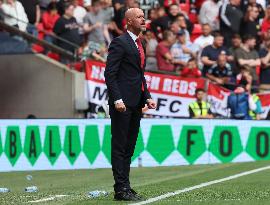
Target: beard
pixel 143 28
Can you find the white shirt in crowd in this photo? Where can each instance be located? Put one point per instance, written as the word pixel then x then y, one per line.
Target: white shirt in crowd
pixel 18 13
pixel 203 41
pixel 79 14
pixel 209 14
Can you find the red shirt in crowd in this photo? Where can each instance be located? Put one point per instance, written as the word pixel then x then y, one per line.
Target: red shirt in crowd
pixel 48 20
pixel 191 73
pixel 162 63
pixel 265 25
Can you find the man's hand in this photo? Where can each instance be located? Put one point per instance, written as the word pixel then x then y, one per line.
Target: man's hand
pixel 151 104
pixel 120 107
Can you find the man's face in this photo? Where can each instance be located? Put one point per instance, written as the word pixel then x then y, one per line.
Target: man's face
pixel 182 38
pixel 254 12
pixel 130 3
pixel 96 7
pixel 218 41
pixel 174 27
pixel 222 60
pixel 137 21
pixel 200 95
pixel 191 65
pixel 236 42
pixel 70 11
pixel 174 10
pixel 182 22
pixel 206 30
pixel 171 39
pixel 251 43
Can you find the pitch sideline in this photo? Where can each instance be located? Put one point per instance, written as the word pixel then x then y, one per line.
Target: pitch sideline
pixel 205 184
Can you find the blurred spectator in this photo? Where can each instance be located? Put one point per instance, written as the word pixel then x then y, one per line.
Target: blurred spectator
pixel 33 13
pixel 79 14
pixel 247 57
pixel 151 45
pixel 61 4
pixel 183 50
pixel 266 21
pixel 109 24
pixel 175 28
pixel 250 25
pixel 95 51
pixel 256 114
pixel 93 24
pixel 253 3
pixel 240 103
pixel 161 12
pixel 66 27
pixel 14 14
pixel 163 54
pixel 236 45
pixel 45 3
pixel 191 70
pixel 120 7
pixel 200 109
pixel 183 25
pixel 230 19
pixel 221 72
pixel 152 15
pixel 210 53
pixel 9 44
pixel 264 54
pixel 209 13
pixel 206 38
pixel 164 22
pixel 49 19
pixel 244 79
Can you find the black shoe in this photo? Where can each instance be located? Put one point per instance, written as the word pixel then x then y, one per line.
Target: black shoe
pixel 125 195
pixel 136 194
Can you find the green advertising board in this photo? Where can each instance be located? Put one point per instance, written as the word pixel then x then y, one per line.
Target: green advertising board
pixel 75 144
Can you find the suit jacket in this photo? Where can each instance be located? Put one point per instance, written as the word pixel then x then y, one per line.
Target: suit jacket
pixel 123 73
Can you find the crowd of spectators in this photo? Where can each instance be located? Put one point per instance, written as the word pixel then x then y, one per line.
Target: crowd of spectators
pixel 226 41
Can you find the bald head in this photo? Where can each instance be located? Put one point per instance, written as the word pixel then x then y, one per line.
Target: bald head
pixel 135 20
pixel 131 13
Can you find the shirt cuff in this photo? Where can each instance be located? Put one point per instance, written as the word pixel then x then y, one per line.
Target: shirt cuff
pixel 118 101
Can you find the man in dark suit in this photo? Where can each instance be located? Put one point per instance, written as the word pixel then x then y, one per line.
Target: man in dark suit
pixel 128 93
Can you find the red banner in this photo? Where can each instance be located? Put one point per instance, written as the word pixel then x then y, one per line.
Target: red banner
pixel 172 93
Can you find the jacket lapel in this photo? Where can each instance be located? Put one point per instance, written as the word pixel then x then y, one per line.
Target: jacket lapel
pixel 133 47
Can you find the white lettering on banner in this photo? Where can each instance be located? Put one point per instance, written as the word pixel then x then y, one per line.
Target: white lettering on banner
pixel 179 86
pixel 98 72
pixel 152 82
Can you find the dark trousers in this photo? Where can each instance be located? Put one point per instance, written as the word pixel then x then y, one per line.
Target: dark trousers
pixel 124 129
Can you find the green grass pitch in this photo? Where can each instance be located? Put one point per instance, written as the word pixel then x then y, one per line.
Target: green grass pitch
pixel 150 182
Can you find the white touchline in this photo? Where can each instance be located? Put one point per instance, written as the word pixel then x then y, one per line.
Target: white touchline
pixel 47 199
pixel 170 194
